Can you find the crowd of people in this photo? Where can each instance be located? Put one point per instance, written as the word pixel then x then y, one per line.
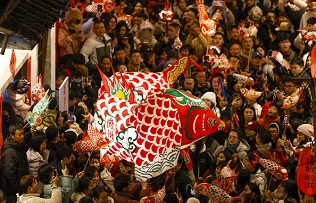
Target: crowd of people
pixel 256 78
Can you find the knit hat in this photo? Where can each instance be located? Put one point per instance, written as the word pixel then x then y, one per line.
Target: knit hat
pixel 284 26
pixel 252 125
pixel 275 125
pixel 146 25
pixel 306 129
pixel 226 114
pixel 193 200
pixel 172 54
pixel 210 96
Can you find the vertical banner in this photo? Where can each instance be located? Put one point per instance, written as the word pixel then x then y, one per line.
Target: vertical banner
pixel 13 63
pixel 63 95
pixel 305 172
pixel 29 76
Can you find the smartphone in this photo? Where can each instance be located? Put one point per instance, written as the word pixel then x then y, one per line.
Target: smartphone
pixel 62 164
pixel 72 117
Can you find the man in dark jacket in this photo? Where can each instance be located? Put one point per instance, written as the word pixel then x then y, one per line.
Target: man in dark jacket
pixel 14 162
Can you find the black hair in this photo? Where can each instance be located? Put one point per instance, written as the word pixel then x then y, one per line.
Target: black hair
pixel 219 33
pixel 72 94
pixel 121 182
pixel 71 137
pixel 64 152
pixel 187 46
pixel 52 104
pixel 97 191
pixel 12 115
pixel 45 172
pixel 97 21
pixel 282 36
pixel 311 20
pixel 194 10
pixel 291 187
pixel 264 136
pixel 222 164
pixel 175 25
pixel 119 25
pixel 86 199
pixel 298 61
pixel 158 182
pixel 237 131
pixel 235 94
pixel 134 51
pixel 106 57
pixel 79 113
pixel 14 127
pixel 51 133
pixel 36 142
pixel 227 154
pixel 249 106
pixel 148 54
pixel 119 48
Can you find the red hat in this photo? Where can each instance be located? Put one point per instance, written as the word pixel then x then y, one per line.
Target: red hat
pixel 252 125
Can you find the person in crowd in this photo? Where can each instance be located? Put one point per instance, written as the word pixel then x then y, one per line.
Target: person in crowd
pixel 145 35
pixel 196 39
pixel 249 114
pixel 106 179
pixel 65 158
pixel 120 57
pixel 236 141
pixel 100 195
pixel 122 192
pixel 251 129
pixel 150 61
pixel 53 138
pixel 14 162
pixel 167 41
pixel 298 69
pixel 272 116
pixel 210 99
pixel 29 186
pixel 110 23
pixel 70 34
pixel 96 46
pixel 136 62
pixel 251 193
pixel 37 154
pixel 86 184
pixel 125 39
pixel 201 83
pixel 46 174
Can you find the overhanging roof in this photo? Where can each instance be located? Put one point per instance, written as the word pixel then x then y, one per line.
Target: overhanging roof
pixel 30 19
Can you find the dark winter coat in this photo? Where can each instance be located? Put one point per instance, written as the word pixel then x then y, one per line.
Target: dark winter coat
pixel 14 166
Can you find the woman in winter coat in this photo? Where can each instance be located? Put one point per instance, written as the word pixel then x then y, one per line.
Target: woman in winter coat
pixel 235 141
pixel 145 35
pixel 70 34
pixel 37 154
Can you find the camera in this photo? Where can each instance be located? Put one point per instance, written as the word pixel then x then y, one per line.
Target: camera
pixel 284 143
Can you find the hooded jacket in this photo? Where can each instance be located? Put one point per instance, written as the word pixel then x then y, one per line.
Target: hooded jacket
pixel 14 166
pixel 242 149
